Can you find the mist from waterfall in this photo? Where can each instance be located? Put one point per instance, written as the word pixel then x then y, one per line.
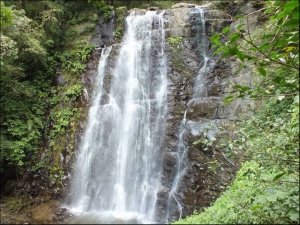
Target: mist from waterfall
pixel 118 168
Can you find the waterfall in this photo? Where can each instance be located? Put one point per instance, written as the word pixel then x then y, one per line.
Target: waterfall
pixel 181 163
pixel 119 163
pixel 199 88
pixel 175 204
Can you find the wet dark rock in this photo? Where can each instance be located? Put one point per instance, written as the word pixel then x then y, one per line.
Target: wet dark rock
pixel 60 80
pixel 153 9
pixel 60 211
pixel 103 35
pixel 169 160
pixel 104 99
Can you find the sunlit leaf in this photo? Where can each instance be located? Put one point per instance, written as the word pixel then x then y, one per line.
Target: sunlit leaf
pixel 239 16
pixel 291 5
pixel 218 50
pixel 263 46
pixel 226 29
pixel 234 37
pixel 241 56
pixel 215 38
pixel 237 86
pixel 255 207
pixel 294 215
pixel 241 67
pixel 228 99
pixel 268 36
pixel 240 25
pixel 278 176
pixel 296 99
pixel 288 49
pixel 268 10
pixel 30 124
pixel 271 198
pixel 262 71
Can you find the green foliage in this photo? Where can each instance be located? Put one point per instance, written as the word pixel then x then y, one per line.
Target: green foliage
pixel 73 61
pixel 25 74
pixel 9 48
pixel 162 4
pixel 174 43
pixel 118 33
pixel 55 173
pixel 71 33
pixel 16 203
pixel 144 4
pixel 106 11
pixel 255 197
pixel 277 148
pixel 82 18
pixel 88 29
pixel 205 142
pixel 38 166
pixel 62 120
pixel 31 34
pixel 6 17
pixel 120 11
pixel 273 49
pixel 73 92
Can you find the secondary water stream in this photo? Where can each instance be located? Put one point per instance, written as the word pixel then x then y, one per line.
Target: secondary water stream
pixel 199 88
pixel 175 204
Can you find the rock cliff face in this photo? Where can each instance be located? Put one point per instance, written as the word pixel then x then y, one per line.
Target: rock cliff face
pixel 198 116
pixel 191 116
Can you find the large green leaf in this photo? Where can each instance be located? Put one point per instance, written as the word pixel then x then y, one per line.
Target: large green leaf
pixel 215 38
pixel 225 30
pixel 234 37
pixel 291 5
pixel 262 71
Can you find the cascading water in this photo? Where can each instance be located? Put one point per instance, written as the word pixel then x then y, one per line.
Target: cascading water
pixel 175 204
pixel 198 89
pixel 118 169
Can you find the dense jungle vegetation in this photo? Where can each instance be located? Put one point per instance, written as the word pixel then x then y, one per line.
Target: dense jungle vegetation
pixel 266 189
pixel 40 39
pixel 37 38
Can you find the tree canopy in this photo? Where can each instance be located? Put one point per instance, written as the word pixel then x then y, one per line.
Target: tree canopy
pixel 34 38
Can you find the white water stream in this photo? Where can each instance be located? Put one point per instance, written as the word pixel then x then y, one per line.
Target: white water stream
pixel 117 172
pixel 174 204
pixel 199 88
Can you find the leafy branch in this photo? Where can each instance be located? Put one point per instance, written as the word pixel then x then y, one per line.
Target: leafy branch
pixel 274 51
